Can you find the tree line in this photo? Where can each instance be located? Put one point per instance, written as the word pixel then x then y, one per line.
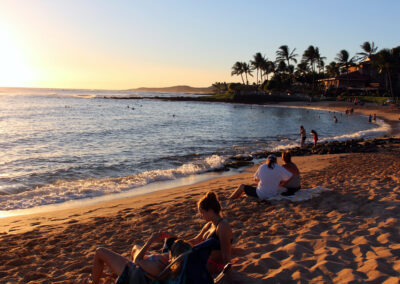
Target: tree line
pixel 286 71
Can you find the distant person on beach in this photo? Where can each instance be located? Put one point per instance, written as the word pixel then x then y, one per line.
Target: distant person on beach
pixel 315 135
pixel 140 266
pixel 293 184
pixel 269 177
pixel 374 118
pixel 216 227
pixel 335 119
pixel 302 136
pixel 370 118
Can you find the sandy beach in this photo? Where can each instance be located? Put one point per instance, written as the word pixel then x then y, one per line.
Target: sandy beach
pixel 348 235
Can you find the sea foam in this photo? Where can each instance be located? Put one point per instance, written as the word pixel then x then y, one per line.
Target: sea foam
pixel 63 191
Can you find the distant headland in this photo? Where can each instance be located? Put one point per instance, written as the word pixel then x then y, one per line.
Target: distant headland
pixel 177 89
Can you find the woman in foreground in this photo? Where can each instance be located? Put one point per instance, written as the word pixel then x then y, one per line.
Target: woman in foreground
pixel 142 268
pixel 216 227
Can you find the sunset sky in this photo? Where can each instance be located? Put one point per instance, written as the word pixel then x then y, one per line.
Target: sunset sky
pixel 126 44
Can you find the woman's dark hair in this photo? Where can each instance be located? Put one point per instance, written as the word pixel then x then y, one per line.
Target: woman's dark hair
pixel 286 156
pixel 177 249
pixel 210 201
pixel 271 161
pixel 313 131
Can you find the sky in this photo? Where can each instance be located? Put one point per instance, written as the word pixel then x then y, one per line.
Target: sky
pixel 102 44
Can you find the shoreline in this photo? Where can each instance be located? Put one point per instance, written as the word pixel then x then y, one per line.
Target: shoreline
pixel 231 166
pixel 284 241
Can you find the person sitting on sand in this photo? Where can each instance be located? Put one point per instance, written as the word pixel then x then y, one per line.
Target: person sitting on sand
pixel 216 227
pixel 142 268
pixel 269 177
pixel 293 184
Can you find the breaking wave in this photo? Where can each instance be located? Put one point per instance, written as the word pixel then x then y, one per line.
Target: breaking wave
pixel 63 191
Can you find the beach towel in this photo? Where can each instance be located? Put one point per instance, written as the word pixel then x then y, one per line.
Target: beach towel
pixel 301 195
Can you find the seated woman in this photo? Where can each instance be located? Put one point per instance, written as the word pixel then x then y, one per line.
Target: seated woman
pixel 293 184
pixel 216 227
pixel 143 268
pixel 269 177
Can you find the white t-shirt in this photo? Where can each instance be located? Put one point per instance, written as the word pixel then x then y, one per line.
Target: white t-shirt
pixel 270 180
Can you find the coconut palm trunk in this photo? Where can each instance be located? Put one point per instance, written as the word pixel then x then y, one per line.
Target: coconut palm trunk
pixel 390 82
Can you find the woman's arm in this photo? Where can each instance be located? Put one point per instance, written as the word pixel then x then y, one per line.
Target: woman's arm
pixel 140 255
pixel 197 239
pixel 291 171
pixel 152 267
pixel 224 233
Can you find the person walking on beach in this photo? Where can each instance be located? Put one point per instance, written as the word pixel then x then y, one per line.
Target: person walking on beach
pixel 315 135
pixel 302 136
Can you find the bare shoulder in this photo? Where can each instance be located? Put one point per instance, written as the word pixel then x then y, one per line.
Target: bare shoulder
pixel 224 227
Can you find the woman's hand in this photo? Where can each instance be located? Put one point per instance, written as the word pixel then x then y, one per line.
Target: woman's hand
pixel 160 236
pixel 166 235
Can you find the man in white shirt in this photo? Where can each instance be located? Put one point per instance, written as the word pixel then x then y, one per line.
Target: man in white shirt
pixel 269 177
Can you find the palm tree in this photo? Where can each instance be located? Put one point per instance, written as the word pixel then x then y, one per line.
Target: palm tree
pixel 310 57
pixel 246 70
pixel 320 60
pixel 387 60
pixel 345 61
pixel 369 49
pixel 302 69
pixel 237 69
pixel 281 67
pixel 267 68
pixel 257 63
pixel 283 54
pixel 332 69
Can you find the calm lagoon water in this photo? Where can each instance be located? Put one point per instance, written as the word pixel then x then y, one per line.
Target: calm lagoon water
pixel 61 145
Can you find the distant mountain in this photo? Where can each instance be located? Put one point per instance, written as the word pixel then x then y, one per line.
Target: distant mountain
pixel 176 89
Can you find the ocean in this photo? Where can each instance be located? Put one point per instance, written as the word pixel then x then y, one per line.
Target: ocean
pixel 61 145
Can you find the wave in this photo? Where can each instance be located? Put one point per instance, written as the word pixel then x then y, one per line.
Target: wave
pixel 63 191
pixel 382 128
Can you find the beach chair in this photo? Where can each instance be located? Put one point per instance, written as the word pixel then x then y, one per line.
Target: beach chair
pixel 194 269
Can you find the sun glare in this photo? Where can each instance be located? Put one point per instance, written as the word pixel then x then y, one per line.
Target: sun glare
pixel 14 68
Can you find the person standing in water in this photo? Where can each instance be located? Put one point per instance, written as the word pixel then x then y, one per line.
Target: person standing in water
pixel 315 135
pixel 302 136
pixel 335 119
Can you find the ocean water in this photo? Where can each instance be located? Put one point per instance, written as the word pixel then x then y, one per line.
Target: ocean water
pixel 61 145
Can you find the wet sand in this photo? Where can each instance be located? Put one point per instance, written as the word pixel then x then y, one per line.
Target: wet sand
pixel 348 235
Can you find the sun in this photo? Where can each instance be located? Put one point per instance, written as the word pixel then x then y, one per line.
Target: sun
pixel 14 67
